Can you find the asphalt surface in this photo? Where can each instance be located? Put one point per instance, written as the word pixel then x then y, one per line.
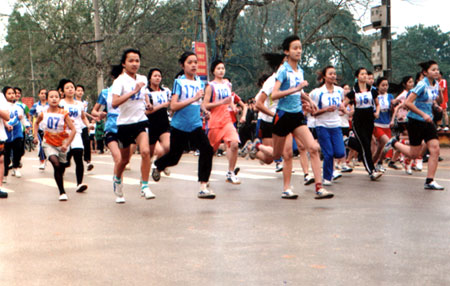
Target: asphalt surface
pixel 388 232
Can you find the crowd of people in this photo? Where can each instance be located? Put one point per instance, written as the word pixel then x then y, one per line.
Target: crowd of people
pixel 341 125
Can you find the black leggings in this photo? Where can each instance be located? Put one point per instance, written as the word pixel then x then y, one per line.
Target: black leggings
pixel 14 146
pixel 198 140
pixel 77 155
pixel 58 173
pixel 86 144
pixel 363 129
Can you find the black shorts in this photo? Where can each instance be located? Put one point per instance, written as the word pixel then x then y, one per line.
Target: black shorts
pixel 420 130
pixel 265 129
pixel 157 126
pixel 111 137
pixel 91 137
pixel 285 123
pixel 128 133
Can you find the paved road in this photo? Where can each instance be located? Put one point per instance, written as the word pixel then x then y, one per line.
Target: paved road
pixel 389 232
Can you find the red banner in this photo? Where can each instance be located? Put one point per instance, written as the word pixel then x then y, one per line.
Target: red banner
pixel 200 50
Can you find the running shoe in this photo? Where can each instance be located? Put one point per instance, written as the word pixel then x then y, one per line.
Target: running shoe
pixel 336 175
pixel 42 166
pixel 408 169
pixel 236 170
pixel 3 195
pixel 419 165
pixel 246 148
pixel 278 167
pixel 90 166
pixel 346 169
pixel 166 172
pixel 16 173
pixel 231 178
pixel 117 188
pixel 206 194
pixel 63 197
pixel 81 188
pixel 120 200
pixel 380 168
pixel 147 193
pixel 308 180
pixel 156 174
pixel 446 128
pixel 392 165
pixel 433 186
pixel 323 194
pixel 252 152
pixel 390 144
pixel 326 182
pixel 375 175
pixel 289 194
pixel 197 153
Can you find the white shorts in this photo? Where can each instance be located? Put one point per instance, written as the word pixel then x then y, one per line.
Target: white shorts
pixel 77 142
pixel 50 150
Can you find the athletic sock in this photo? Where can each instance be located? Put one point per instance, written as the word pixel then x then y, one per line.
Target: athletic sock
pixel 117 180
pixel 144 184
pixel 318 186
pixel 305 175
pixel 428 180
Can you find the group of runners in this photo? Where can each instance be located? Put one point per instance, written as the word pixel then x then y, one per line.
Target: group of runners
pixel 341 123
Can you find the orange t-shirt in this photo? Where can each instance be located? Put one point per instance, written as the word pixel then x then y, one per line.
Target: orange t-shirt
pixel 55 127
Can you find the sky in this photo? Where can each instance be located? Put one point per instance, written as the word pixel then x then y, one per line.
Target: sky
pixel 405 13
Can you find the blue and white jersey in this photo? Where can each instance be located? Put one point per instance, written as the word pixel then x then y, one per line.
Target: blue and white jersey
pixel 188 118
pixel 15 111
pixel 323 99
pixel 426 94
pixel 385 102
pixel 158 97
pixel 105 98
pixel 289 78
pixel 37 109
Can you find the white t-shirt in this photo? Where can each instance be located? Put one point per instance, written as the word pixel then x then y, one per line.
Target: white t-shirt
pixel 132 110
pixel 269 103
pixel 4 107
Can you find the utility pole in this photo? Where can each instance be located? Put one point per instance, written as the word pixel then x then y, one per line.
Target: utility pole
pixel 381 49
pixel 98 48
pixel 386 35
pixel 205 36
pixel 31 62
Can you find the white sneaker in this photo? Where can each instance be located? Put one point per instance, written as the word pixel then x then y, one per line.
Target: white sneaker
pixel 308 180
pixel 120 200
pixel 326 183
pixel 231 178
pixel 17 173
pixel 323 194
pixel 433 186
pixel 63 197
pixel 375 176
pixel 446 128
pixel 419 164
pixel 147 193
pixel 408 169
pixel 166 172
pixel 81 188
pixel 117 188
pixel 336 175
pixel 42 166
pixel 289 194
pixel 206 194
